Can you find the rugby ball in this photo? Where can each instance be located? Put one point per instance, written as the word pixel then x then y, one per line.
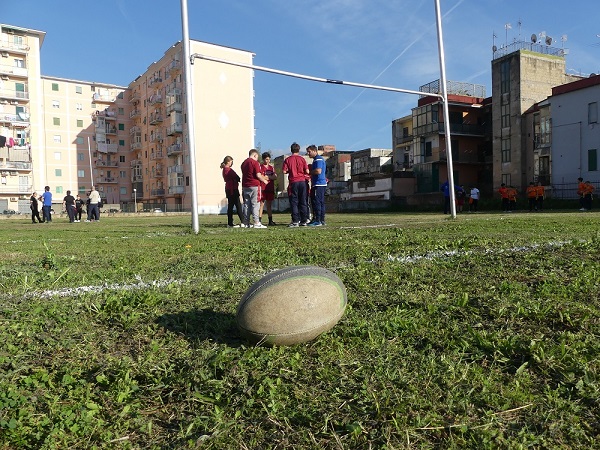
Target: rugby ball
pixel 291 306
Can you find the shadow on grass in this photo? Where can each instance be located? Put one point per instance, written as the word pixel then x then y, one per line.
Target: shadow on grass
pixel 203 325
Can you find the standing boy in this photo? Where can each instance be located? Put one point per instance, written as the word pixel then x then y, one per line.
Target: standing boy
pixel 268 189
pixel 47 204
pixel 297 169
pixel 251 184
pixel 319 184
pixel 33 205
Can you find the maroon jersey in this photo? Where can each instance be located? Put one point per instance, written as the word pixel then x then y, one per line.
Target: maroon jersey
pixel 250 168
pixel 268 170
pixel 231 180
pixel 296 168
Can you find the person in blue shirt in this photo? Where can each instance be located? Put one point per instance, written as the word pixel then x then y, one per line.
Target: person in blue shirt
pixel 445 188
pixel 47 204
pixel 318 180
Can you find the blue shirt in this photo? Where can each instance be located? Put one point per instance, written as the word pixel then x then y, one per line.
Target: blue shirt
pixel 47 198
pixel 445 189
pixel 320 179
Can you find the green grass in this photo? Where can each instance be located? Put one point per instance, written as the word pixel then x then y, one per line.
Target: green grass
pixel 482 332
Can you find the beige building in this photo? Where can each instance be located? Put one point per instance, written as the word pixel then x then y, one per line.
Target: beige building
pixel 131 142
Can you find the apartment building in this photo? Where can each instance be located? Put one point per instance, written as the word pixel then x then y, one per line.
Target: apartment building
pixel 131 142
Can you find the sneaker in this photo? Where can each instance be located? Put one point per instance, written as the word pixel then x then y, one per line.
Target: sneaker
pixel 314 224
pixel 259 225
pixel 322 224
pixel 303 224
pixel 233 226
pixel 87 220
pixel 294 225
pixel 271 223
pixel 582 209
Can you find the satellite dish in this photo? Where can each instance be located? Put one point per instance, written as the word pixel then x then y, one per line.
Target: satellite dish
pixel 534 38
pixel 548 40
pixel 494 48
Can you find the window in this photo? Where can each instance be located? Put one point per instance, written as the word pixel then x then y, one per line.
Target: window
pixel 79 140
pixel 506 179
pixel 81 174
pixel 120 111
pixel 593 112
pixel 55 86
pixel 80 156
pixel 79 106
pixel 59 189
pixel 80 123
pixel 122 143
pixel 592 160
pixel 122 158
pixel 81 190
pixel 121 126
pixel 123 174
pixel 55 104
pixel 120 95
pixel 505 77
pixel 505 116
pixel 78 90
pixel 19 62
pixel 57 156
pixel 57 139
pixel 428 151
pixel 58 172
pixel 56 120
pixel 505 150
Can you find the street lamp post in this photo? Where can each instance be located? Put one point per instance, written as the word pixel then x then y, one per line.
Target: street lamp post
pixel 134 200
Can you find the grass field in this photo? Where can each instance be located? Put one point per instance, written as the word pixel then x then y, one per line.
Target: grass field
pixel 479 332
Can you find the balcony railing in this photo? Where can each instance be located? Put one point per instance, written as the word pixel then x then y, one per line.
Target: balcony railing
pixel 157 173
pixel 12 94
pixel 174 107
pixel 13 71
pixel 21 119
pixel 154 81
pixel 16 190
pixel 100 98
pixel 174 149
pixel 134 97
pixel 176 189
pixel 156 137
pixel 107 148
pixel 157 192
pixel 154 99
pixel 15 165
pixel 156 155
pixel 111 130
pixel 104 180
pixel 136 178
pixel 107 163
pixel 135 129
pixel 174 65
pixel 136 162
pixel 135 113
pixel 176 128
pixel 13 47
pixel 455 128
pixel 175 169
pixel 156 118
pixel 135 145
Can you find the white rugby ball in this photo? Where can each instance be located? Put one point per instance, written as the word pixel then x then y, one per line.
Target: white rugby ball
pixel 291 306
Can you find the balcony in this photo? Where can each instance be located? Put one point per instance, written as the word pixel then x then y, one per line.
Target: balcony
pixel 135 146
pixel 175 169
pixel 134 97
pixel 101 163
pixel 156 137
pixel 136 162
pixel 158 173
pixel 155 99
pixel 15 165
pixel 464 129
pixel 157 192
pixel 155 81
pixel 156 119
pixel 176 128
pixel 103 147
pixel 106 115
pixel 100 98
pixel 16 120
pixel 13 47
pixel 174 107
pixel 11 94
pixel 137 178
pixel 174 66
pixel 176 190
pixel 106 180
pixel 174 149
pixel 156 155
pixel 135 113
pixel 12 71
pixel 135 129
pixel 111 130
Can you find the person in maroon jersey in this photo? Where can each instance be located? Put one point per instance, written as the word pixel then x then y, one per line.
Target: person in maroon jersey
pixel 232 192
pixel 297 169
pixel 268 189
pixel 251 185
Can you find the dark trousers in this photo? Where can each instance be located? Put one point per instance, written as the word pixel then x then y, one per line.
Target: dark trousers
pixel 35 214
pixel 47 213
pixel 318 203
pixel 446 205
pixel 78 213
pixel 71 213
pixel 532 204
pixel 233 199
pixel 540 203
pixel 473 204
pixel 505 205
pixel 587 201
pixel 93 212
pixel 298 202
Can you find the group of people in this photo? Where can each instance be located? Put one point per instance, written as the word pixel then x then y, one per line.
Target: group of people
pixel 462 196
pixel 73 206
pixel 509 194
pixel 585 190
pixel 258 188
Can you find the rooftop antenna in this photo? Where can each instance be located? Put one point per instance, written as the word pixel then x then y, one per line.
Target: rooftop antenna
pixel 494 48
pixel 507 26
pixel 519 23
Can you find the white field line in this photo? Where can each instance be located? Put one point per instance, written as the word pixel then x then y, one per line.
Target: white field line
pixel 140 284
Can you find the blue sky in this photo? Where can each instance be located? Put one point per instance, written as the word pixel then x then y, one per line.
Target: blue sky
pixel 390 43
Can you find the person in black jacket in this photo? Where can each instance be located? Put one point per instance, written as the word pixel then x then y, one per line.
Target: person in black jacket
pixel 35 210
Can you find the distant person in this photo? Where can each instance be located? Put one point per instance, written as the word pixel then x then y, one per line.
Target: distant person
pixel 503 191
pixel 296 168
pixel 540 194
pixel 318 180
pixel 474 199
pixel 588 195
pixel 69 206
pixel 251 185
pixel 581 188
pixel 93 210
pixel 512 198
pixel 461 195
pixel 35 209
pixel 47 204
pixel 268 189
pixel 232 192
pixel 445 189
pixel 78 208
pixel 532 196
